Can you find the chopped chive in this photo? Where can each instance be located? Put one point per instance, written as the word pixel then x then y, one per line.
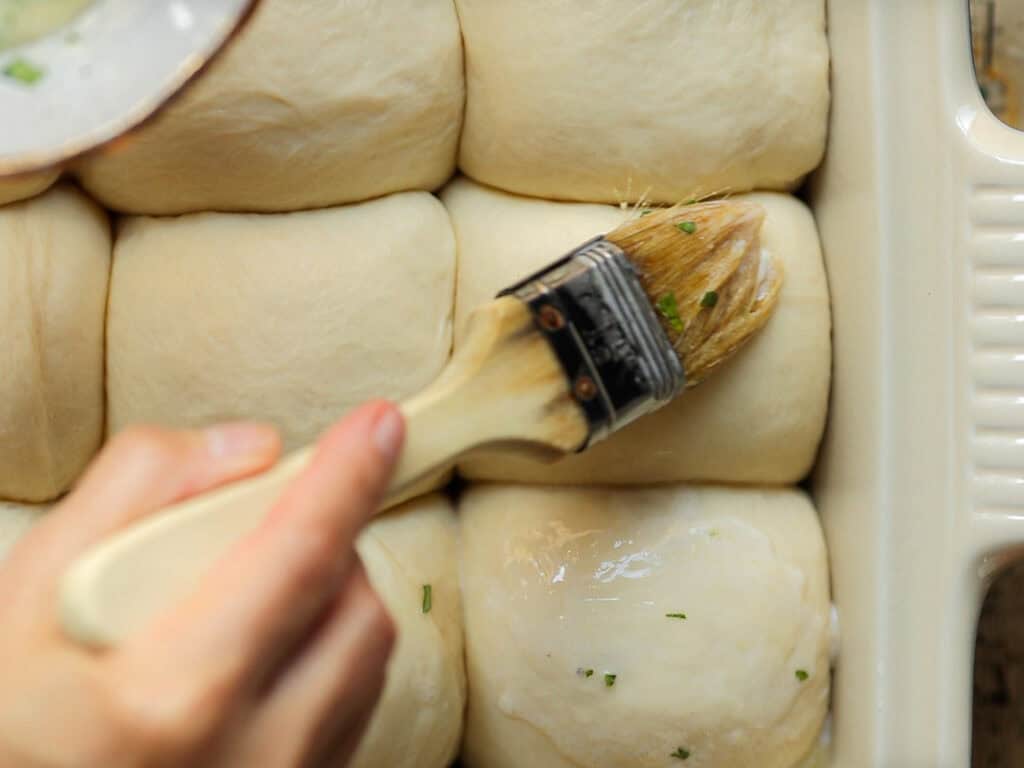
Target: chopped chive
pixel 585 672
pixel 801 675
pixel 688 227
pixel 609 679
pixel 23 71
pixel 681 753
pixel 669 309
pixel 709 299
pixel 646 211
pixel 428 598
pixel 675 615
pixel 691 201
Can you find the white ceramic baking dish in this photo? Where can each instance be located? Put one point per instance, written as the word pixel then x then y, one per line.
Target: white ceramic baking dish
pixel 920 204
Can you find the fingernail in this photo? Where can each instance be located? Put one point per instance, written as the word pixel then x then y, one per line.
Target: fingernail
pixel 387 433
pixel 239 442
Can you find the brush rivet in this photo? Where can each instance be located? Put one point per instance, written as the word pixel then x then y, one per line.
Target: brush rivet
pixel 550 318
pixel 584 388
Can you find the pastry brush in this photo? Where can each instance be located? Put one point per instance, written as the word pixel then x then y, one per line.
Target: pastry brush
pixel 612 331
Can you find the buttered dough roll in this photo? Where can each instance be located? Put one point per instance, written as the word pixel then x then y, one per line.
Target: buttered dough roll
pixel 602 100
pixel 758 419
pixel 15 188
pixel 609 628
pixel 418 722
pixel 15 522
pixel 291 318
pixel 318 102
pixel 54 269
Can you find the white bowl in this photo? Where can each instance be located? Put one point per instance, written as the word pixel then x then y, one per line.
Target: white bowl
pixel 104 73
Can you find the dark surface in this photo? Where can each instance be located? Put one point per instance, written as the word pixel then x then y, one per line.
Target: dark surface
pixel 998 728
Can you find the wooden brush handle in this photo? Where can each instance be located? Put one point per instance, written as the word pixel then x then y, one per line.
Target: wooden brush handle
pixel 504 386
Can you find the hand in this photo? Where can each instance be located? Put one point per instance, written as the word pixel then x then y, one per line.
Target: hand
pixel 276 660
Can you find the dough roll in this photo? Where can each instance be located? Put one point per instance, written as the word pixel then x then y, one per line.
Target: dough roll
pixel 54 270
pixel 609 628
pixel 316 103
pixel 418 722
pixel 290 318
pixel 15 188
pixel 756 420
pixel 602 100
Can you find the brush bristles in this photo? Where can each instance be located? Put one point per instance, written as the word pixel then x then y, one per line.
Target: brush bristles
pixel 704 270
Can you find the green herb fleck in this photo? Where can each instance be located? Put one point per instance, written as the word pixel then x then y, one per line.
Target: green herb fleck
pixel 588 673
pixel 688 227
pixel 691 201
pixel 709 299
pixel 428 598
pixel 801 675
pixel 681 753
pixel 609 679
pixel 675 615
pixel 646 211
pixel 23 71
pixel 669 309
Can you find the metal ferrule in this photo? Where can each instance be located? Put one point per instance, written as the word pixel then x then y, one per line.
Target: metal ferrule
pixel 594 312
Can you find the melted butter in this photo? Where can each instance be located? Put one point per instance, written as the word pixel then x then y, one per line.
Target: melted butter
pixel 633 566
pixel 24 20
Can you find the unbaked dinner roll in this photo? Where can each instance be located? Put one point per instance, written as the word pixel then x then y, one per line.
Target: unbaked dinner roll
pixel 756 420
pixel 606 100
pixel 418 722
pixel 610 628
pixel 15 521
pixel 292 318
pixel 317 103
pixel 23 187
pixel 54 268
